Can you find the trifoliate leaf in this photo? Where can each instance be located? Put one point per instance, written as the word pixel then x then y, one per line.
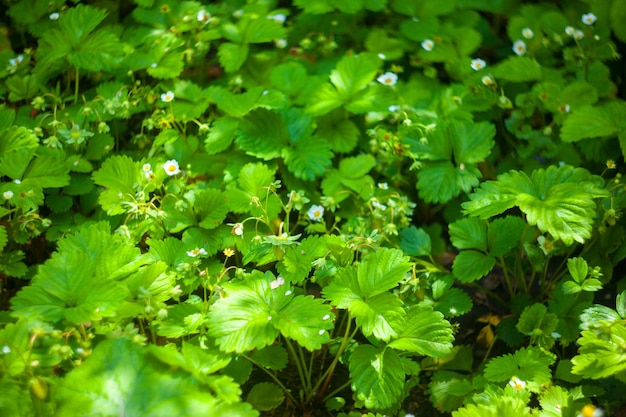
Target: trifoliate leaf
pixel 378 315
pixel 554 400
pixel 76 283
pixel 353 73
pixel 232 55
pixel 415 242
pixel 253 313
pixel 527 364
pixel 265 396
pixel 501 406
pixel 597 314
pixel 536 322
pixel 602 355
pixel 424 332
pixel 470 265
pixel 22 87
pixel 377 377
pixel 469 233
pixel 504 234
pixel 298 260
pixel 578 269
pixel 448 389
pixel 518 69
pixel 471 142
pixel 210 205
pixel 559 200
pixel 125 380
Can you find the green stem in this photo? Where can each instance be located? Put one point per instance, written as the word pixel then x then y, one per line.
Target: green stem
pixel 276 380
pixel 506 277
pixel 336 391
pixel 76 84
pixel 296 359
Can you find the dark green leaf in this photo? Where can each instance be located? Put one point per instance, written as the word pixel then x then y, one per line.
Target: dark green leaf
pixel 469 233
pixel 265 396
pixel 425 332
pixel 414 241
pixel 470 265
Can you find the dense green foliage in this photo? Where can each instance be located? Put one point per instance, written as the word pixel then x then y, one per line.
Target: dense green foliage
pixel 316 207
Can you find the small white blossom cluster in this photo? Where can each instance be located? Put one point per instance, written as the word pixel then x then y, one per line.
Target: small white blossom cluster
pixel 315 213
pixel 171 167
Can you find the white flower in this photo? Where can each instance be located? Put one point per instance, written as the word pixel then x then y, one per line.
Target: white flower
pixel 517 383
pixel 204 16
pixel 589 18
pixel 17 181
pixel 326 317
pixel 388 78
pixel 280 43
pixel 315 213
pixel 428 44
pixel 569 30
pixel 197 251
pixel 14 62
pixel 288 293
pixel 171 167
pixel 6 349
pixel 488 80
pixel 277 283
pixel 393 108
pixel 321 332
pixel 478 64
pixel 149 175
pixel 54 16
pixel 154 65
pixel 383 185
pixel 146 167
pixel 237 229
pixel 519 47
pixel 409 415
pixel 528 33
pixel 7 195
pixel 377 205
pixel 167 97
pixel 278 17
pixel 578 35
pixel 382 56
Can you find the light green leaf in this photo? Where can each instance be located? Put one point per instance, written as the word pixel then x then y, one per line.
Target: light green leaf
pixel 236 105
pixel 471 142
pixel 306 320
pixel 325 99
pixel 265 396
pixel 378 315
pixel 424 332
pixel 528 364
pixel 13 164
pixel 441 181
pixel 48 169
pixel 271 357
pixel 17 137
pixel 353 73
pixel 604 356
pixel 423 8
pixel 289 77
pixel 232 55
pixel 469 233
pixel 298 260
pixel 221 135
pixel 377 377
pixel 124 380
pixel 381 271
pixel 535 321
pixel 3 237
pixel 470 265
pixel 495 197
pixel 501 406
pixel 578 269
pixel 518 69
pixel 260 30
pixel 620 304
pixel 170 65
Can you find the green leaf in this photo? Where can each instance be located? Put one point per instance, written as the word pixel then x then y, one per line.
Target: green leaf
pixel 236 105
pixel 13 164
pixel 118 174
pixel 377 377
pixel 221 135
pixel 253 313
pixel 263 134
pixel 381 271
pixel 504 234
pixel 471 142
pixel 591 122
pixel 559 200
pixel 354 73
pixel 453 303
pixel 17 137
pixel 535 321
pixel 378 315
pixel 124 380
pixel 289 77
pixel 578 269
pixel 620 304
pixel 527 364
pixel 260 30
pixel 469 233
pixel 325 99
pixel 210 205
pixel 424 332
pixel 170 65
pixel 518 69
pixel 501 406
pixel 601 355
pixel 265 396
pixel 415 242
pixel 298 260
pixel 441 181
pixel 309 158
pixel 422 9
pixel 77 284
pixel 3 237
pixel 341 134
pixel 617 16
pixel 48 168
pixel 271 357
pixel 470 265
pixel 232 55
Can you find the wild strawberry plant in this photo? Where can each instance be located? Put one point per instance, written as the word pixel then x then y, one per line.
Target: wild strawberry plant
pixel 365 207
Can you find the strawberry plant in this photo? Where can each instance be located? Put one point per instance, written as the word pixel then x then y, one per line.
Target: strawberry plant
pixel 364 207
